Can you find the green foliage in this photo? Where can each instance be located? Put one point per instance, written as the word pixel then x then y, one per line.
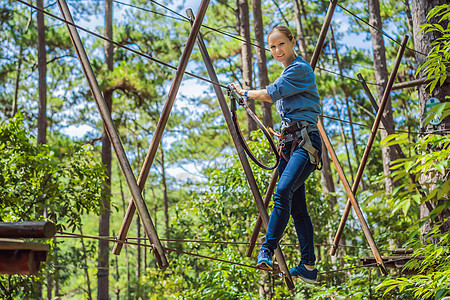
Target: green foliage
pixel 424 161
pixel 435 67
pixel 431 258
pixel 63 180
pixel 34 179
pixel 432 264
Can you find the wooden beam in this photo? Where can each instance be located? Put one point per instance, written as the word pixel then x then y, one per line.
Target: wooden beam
pixel 20 257
pixel 27 230
pixel 11 244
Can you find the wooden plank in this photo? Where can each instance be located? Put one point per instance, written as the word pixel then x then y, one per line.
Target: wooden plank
pixel 25 262
pixel 11 244
pixel 389 261
pixel 27 230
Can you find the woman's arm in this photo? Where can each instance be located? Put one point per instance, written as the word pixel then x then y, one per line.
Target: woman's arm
pixel 260 95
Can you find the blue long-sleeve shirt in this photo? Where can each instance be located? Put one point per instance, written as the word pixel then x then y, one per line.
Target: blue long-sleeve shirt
pixel 295 94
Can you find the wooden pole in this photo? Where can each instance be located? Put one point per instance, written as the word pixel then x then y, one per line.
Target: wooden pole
pixel 330 149
pixel 369 145
pixel 27 230
pixel 162 123
pixel 114 137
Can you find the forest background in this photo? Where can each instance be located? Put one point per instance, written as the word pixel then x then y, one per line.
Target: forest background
pixel 196 189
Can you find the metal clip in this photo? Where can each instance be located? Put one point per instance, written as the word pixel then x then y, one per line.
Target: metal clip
pixel 234 96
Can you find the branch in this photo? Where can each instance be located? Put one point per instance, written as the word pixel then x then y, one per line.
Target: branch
pixel 281 12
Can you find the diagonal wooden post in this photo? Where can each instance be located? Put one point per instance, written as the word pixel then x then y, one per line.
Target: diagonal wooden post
pixel 372 136
pixel 258 224
pixel 162 123
pixel 241 153
pixel 114 137
pixel 314 59
pixel 330 149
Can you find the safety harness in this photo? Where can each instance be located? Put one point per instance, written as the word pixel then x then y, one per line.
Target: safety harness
pixel 299 134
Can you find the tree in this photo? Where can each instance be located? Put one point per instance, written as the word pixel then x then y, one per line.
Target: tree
pixel 64 179
pixel 300 33
pixel 103 228
pixel 261 58
pixel 246 56
pixel 433 40
pixel 42 67
pixel 381 75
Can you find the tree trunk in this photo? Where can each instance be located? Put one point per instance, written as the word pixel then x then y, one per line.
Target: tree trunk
pixel 246 57
pixel 42 68
pixel 16 84
pixel 422 41
pixel 344 138
pixel 139 257
pixel 327 178
pixel 300 32
pixel 262 60
pixel 103 249
pixel 408 16
pixel 381 75
pixel 127 262
pixel 347 104
pixel 86 271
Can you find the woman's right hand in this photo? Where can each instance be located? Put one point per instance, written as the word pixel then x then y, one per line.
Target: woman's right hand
pixel 239 90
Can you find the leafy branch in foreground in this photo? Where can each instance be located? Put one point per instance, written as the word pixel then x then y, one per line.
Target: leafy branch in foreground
pixel 430 259
pixel 438 60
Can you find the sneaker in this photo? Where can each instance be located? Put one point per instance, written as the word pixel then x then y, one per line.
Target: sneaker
pixel 304 274
pixel 265 260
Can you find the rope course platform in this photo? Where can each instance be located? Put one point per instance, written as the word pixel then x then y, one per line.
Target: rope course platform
pixel 136 186
pixel 23 257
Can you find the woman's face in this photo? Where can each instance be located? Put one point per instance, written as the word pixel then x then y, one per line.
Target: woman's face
pixel 281 48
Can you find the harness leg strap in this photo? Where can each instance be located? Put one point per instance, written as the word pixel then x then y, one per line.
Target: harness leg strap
pixel 313 152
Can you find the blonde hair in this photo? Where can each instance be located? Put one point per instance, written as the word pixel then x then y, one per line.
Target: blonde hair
pixel 284 30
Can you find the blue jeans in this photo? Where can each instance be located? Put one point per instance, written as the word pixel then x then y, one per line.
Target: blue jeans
pixel 290 199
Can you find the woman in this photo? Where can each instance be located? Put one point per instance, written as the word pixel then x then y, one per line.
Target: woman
pixel 297 102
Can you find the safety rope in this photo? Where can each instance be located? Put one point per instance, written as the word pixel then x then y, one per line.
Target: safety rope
pixel 109 239
pixel 235 97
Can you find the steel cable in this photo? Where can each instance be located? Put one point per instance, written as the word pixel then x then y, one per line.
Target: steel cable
pixel 109 239
pixel 118 44
pixel 170 66
pixel 237 37
pixel 377 29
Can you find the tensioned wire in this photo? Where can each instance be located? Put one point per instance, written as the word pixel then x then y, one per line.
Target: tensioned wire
pixel 377 29
pixel 74 235
pixel 234 36
pixel 238 37
pixel 115 239
pixel 159 61
pixel 118 44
